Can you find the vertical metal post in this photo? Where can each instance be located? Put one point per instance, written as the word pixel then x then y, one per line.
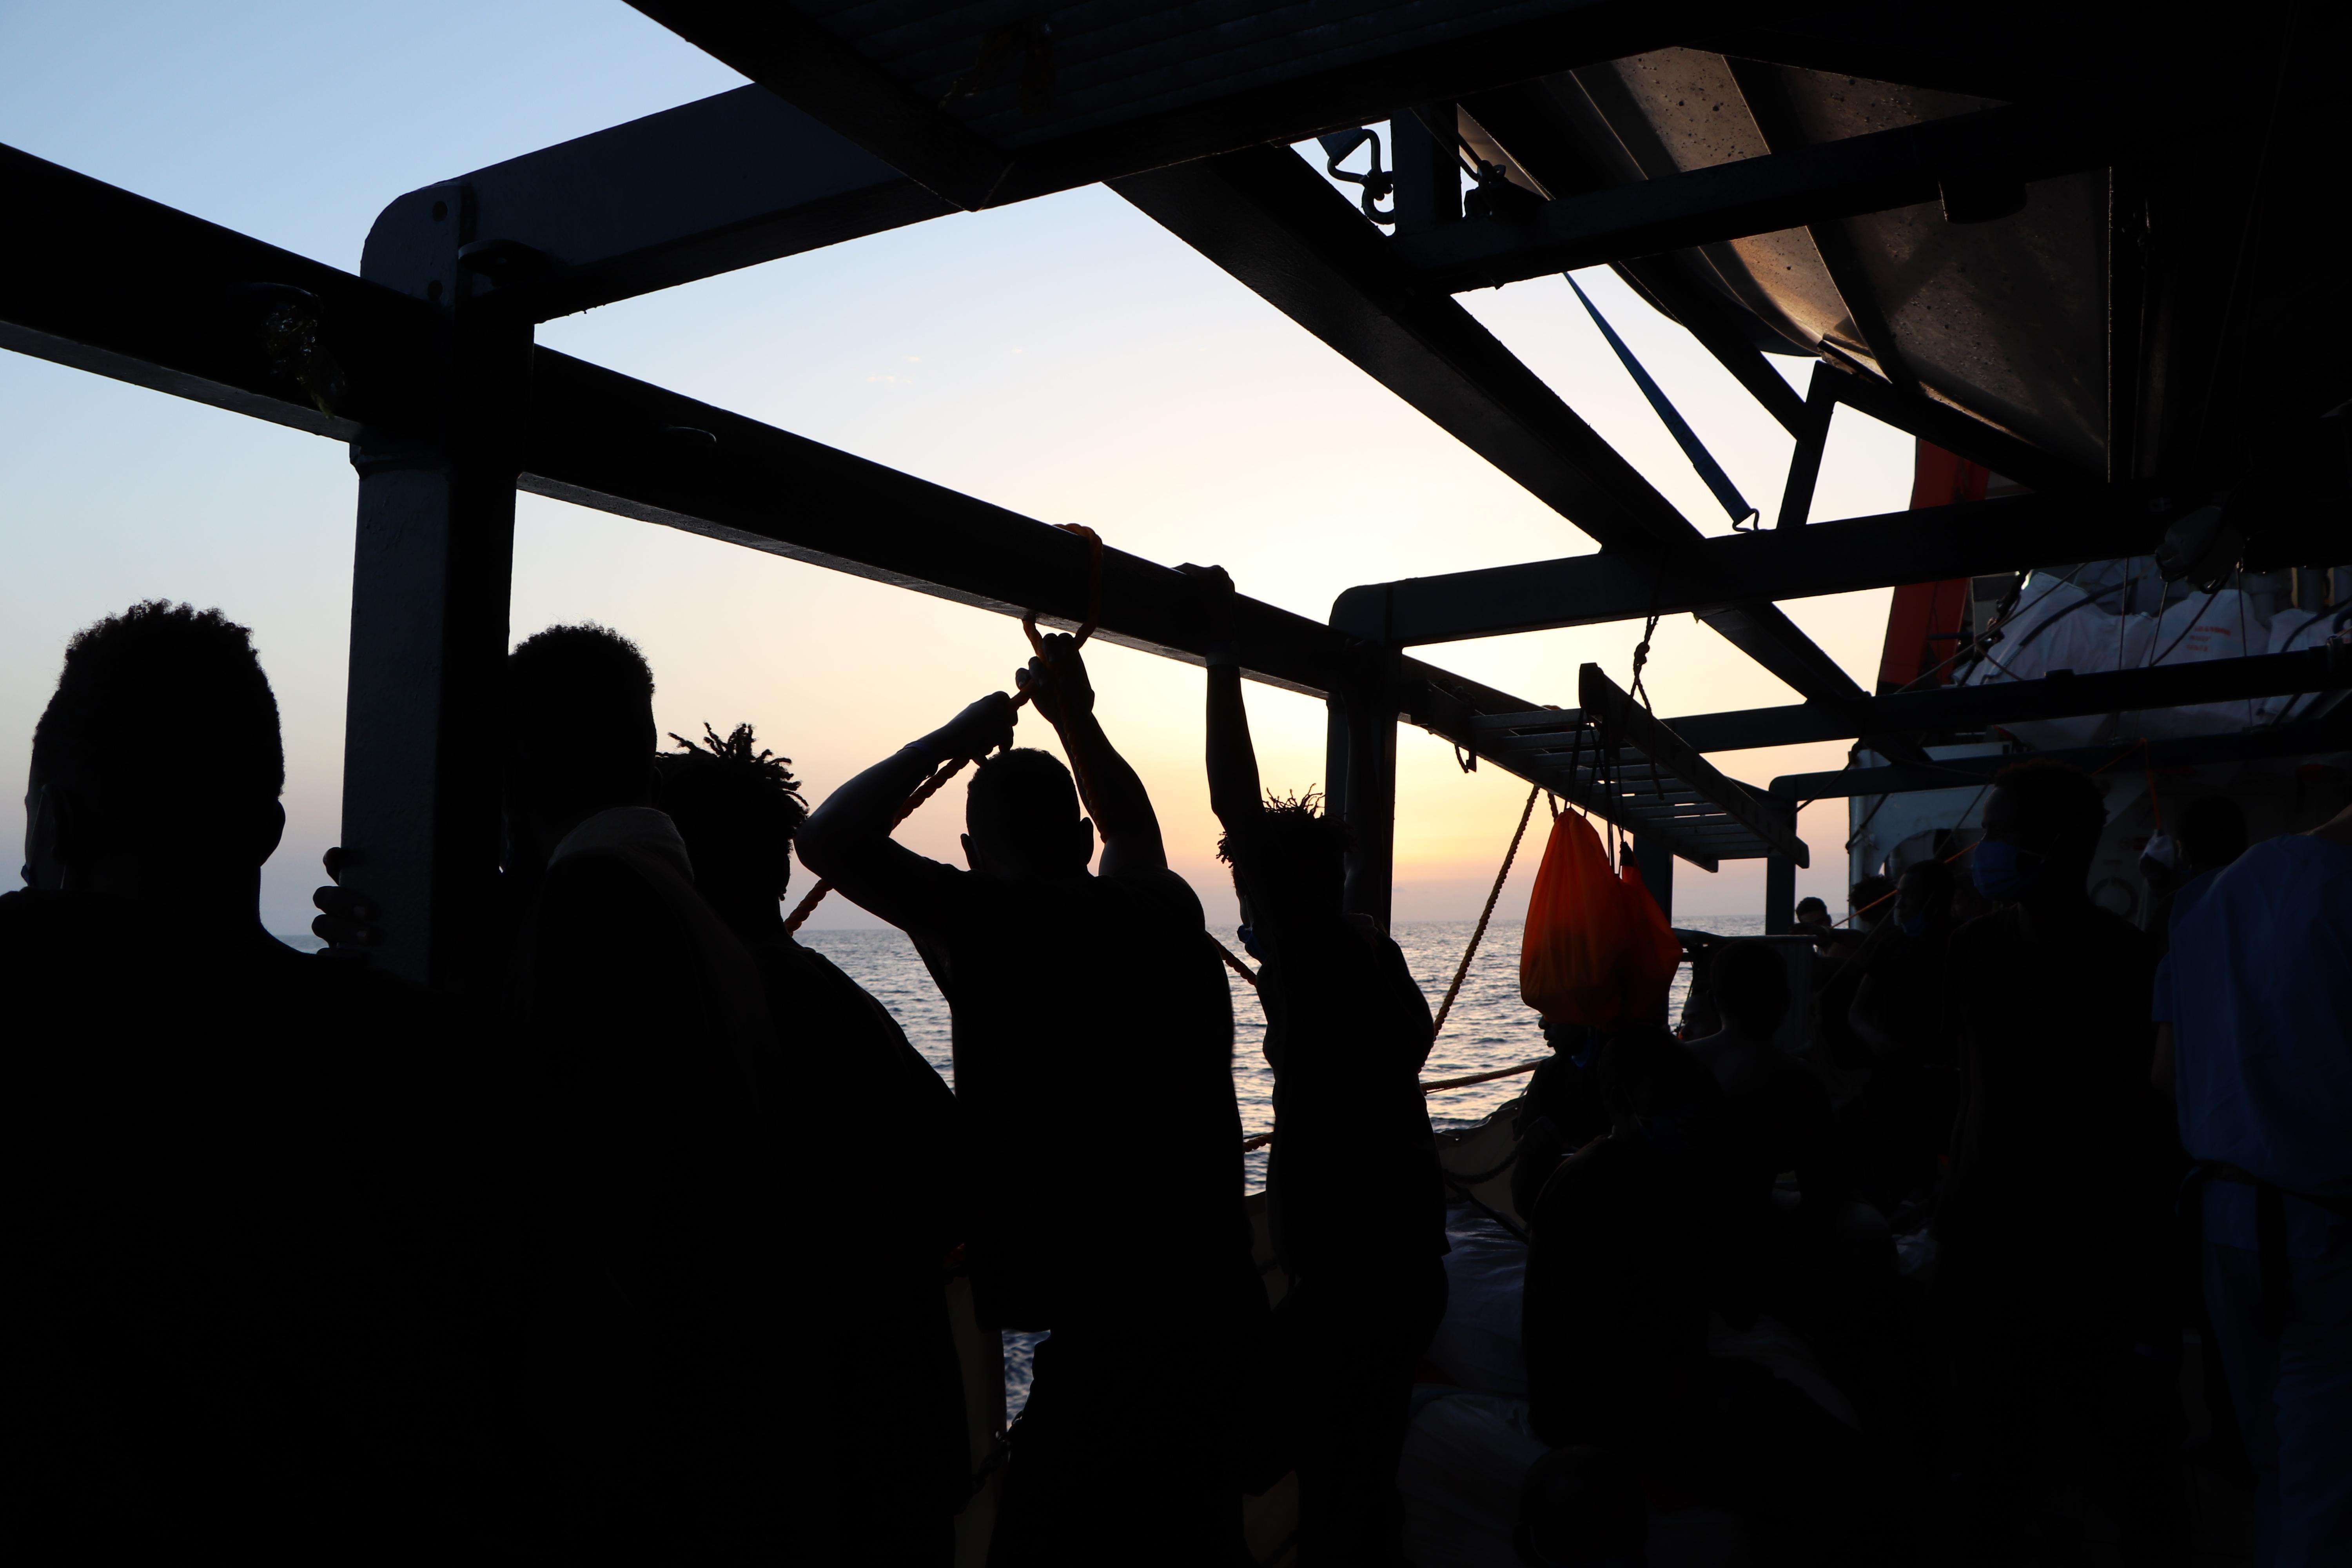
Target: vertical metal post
pixel 1812 440
pixel 1657 864
pixel 432 570
pixel 1360 762
pixel 1780 895
pixel 1780 872
pixel 1428 170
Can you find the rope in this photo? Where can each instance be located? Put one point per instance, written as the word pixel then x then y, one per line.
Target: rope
pixel 1235 965
pixel 954 766
pixel 1480 1078
pixel 1463 969
pixel 1259 1141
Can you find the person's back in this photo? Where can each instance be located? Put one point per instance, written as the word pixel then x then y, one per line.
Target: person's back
pixel 1093 1036
pixel 861 1122
pixel 2054 1221
pixel 643 1030
pixel 1625 1254
pixel 1352 1181
pixel 2256 996
pixel 254 1307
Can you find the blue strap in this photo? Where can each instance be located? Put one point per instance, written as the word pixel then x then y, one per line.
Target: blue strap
pixel 1677 425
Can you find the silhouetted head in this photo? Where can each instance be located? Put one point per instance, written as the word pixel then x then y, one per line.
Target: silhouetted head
pixel 580 732
pixel 2041 826
pixel 737 807
pixel 157 764
pixel 1750 986
pixel 1020 817
pixel 1923 899
pixel 1814 913
pixel 1650 1082
pixel 2214 832
pixel 1869 901
pixel 1582 1507
pixel 1303 854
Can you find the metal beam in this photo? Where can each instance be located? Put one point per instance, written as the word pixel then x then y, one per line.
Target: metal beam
pixel 1273 224
pixel 430 588
pixel 727 182
pixel 1925 546
pixel 1271 221
pixel 1623 720
pixel 1960 709
pixel 2307 739
pixel 1792 189
pixel 1277 97
pixel 153 296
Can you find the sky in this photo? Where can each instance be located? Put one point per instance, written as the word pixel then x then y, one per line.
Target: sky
pixel 1065 358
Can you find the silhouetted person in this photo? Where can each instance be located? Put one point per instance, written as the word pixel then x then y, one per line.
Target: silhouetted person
pixel 2055 1219
pixel 1353 1194
pixel 2256 1046
pixel 1625 1249
pixel 2212 837
pixel 1776 1112
pixel 1902 1118
pixel 1626 1258
pixel 871 1136
pixel 673 1294
pixel 1563 1109
pixel 1093 1058
pixel 248 1312
pixel 1813 918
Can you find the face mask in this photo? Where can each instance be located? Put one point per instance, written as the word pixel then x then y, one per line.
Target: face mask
pixel 1915 926
pixel 1249 942
pixel 2003 872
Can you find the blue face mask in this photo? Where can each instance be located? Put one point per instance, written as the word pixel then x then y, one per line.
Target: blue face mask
pixel 1915 926
pixel 2003 872
pixel 1249 942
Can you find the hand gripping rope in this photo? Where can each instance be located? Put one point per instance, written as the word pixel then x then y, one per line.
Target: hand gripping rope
pixel 954 766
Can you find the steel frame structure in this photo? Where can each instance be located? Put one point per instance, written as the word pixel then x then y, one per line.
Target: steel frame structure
pixel 425 364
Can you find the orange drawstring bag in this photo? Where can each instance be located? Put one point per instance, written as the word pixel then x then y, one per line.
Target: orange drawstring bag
pixel 1596 949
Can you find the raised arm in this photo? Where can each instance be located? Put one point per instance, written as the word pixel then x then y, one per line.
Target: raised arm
pixel 1113 793
pixel 847 841
pixel 1234 790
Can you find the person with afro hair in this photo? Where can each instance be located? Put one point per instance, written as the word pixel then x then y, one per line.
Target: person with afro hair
pixel 249 1308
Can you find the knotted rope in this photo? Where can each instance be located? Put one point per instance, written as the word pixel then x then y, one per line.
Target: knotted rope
pixel 954 766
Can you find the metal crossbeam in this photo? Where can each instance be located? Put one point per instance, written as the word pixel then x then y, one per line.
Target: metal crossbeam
pixel 2063 696
pixel 1273 224
pixel 2306 739
pixel 1873 173
pixel 1924 546
pixel 727 182
pixel 156 297
pixel 1620 719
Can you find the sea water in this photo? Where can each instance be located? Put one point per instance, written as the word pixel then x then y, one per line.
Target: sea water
pixel 1489 1028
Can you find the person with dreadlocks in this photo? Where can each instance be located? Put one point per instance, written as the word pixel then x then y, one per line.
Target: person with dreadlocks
pixel 1093 1036
pixel 1353 1192
pixel 250 1309
pixel 894 1391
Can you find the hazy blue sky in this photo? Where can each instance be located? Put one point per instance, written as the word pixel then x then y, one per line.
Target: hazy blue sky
pixel 1067 358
